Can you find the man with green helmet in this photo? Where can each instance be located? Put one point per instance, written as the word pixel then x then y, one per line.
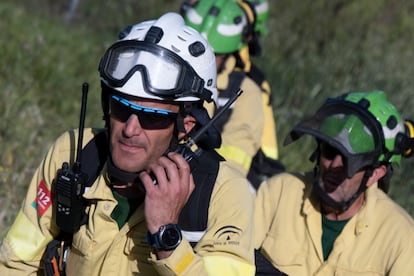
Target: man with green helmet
pixel 232 28
pixel 336 220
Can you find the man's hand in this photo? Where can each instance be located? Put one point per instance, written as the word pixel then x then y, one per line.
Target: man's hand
pixel 165 200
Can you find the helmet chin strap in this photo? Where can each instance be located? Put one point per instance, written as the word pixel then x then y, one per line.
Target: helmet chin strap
pixel 341 206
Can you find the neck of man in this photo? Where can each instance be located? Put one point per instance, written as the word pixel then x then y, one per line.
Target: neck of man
pixel 124 183
pixel 333 214
pixel 128 190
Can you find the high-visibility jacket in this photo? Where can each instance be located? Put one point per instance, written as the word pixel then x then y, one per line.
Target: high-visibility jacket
pixel 378 240
pixel 243 129
pixel 248 128
pixel 100 248
pixel 269 144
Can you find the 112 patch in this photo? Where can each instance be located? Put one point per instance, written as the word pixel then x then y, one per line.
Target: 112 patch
pixel 43 199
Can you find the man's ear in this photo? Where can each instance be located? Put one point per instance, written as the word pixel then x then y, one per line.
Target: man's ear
pixel 377 174
pixel 189 123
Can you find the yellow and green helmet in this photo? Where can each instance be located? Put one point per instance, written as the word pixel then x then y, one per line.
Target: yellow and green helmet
pixel 224 23
pixel 363 126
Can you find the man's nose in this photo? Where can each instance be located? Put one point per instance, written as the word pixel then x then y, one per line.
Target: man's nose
pixel 337 161
pixel 132 126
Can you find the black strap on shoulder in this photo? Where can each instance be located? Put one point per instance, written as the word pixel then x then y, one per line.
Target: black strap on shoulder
pixel 94 156
pixel 263 167
pixel 256 75
pixel 235 80
pixel 194 215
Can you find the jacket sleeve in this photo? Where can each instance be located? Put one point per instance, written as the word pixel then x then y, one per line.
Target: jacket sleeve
pixel 266 206
pixel 226 248
pixel 403 251
pixel 23 247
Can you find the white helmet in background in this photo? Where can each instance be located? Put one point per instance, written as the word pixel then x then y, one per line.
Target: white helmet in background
pixel 161 59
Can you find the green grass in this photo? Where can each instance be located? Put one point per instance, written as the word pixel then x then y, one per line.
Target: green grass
pixel 314 49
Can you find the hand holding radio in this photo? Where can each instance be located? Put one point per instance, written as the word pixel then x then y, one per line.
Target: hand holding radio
pixel 173 180
pixel 164 201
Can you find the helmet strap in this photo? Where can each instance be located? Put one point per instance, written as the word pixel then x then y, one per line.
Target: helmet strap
pixel 384 182
pixel 105 103
pixel 185 110
pixel 180 123
pixel 341 206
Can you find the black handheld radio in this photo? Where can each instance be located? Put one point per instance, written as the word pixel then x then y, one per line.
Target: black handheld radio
pixel 70 184
pixel 185 149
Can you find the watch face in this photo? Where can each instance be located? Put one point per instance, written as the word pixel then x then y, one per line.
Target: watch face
pixel 171 236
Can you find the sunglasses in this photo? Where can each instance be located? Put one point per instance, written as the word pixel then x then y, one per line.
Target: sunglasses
pixel 329 152
pixel 149 117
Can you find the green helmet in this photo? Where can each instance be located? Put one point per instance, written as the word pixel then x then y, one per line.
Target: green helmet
pixel 363 126
pixel 261 9
pixel 224 23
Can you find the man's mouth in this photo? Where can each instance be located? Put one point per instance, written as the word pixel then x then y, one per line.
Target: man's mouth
pixel 130 146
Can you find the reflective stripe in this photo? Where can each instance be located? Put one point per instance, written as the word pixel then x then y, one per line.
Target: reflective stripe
pixel 410 129
pixel 270 152
pixel 235 154
pixel 220 265
pixel 269 136
pixel 25 239
pixel 193 236
pixel 184 263
pixel 248 10
pixel 245 56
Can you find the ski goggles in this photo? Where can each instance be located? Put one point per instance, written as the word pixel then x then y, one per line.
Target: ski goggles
pixel 149 117
pixel 163 73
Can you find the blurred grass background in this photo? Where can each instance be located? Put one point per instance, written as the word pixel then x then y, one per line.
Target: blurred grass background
pixel 314 49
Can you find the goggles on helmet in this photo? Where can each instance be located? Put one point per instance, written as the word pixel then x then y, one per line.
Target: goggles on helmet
pixel 349 129
pixel 163 73
pixel 149 117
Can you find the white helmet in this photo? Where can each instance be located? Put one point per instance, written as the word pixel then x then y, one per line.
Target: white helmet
pixel 161 59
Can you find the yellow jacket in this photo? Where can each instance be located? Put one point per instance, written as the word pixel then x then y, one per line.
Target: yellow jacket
pixel 242 133
pixel 100 248
pixel 379 240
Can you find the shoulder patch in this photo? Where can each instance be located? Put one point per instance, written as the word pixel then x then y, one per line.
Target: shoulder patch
pixel 43 198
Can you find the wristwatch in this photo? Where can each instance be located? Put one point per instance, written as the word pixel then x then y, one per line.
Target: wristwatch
pixel 167 238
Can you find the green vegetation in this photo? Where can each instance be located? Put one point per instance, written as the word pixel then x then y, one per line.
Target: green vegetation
pixel 314 49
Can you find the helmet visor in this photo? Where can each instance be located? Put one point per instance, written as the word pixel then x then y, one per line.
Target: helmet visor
pixel 346 127
pixel 163 73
